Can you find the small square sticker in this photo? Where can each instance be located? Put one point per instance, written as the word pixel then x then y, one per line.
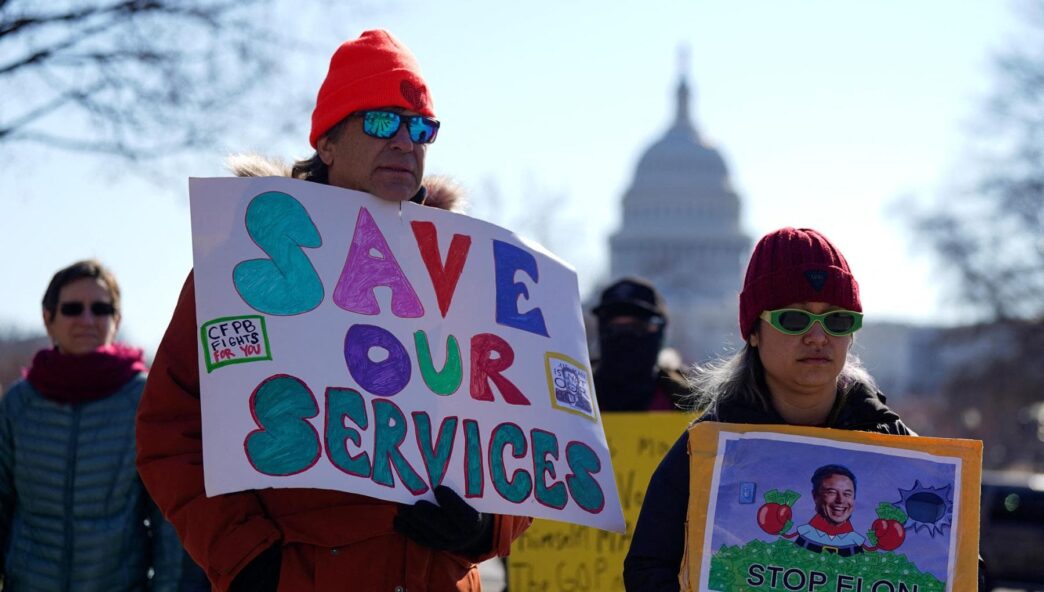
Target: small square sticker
pixel 234 340
pixel 747 491
pixel 569 383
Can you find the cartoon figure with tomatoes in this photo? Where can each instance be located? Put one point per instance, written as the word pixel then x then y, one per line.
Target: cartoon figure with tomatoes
pixel 830 530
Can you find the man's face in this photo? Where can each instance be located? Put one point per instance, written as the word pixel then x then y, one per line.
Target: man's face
pixel 835 498
pixel 391 169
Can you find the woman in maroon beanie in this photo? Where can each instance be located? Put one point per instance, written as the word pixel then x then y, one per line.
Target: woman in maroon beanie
pixel 73 511
pixel 798 310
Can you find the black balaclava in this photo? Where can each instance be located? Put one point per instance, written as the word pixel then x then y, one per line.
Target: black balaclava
pixel 625 379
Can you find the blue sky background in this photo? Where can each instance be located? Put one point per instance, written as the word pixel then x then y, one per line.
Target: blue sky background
pixel 830 114
pixel 775 464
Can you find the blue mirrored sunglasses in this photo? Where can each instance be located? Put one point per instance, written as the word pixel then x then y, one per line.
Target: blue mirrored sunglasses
pixel 385 124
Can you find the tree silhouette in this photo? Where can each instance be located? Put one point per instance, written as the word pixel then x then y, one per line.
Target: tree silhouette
pixel 990 238
pixel 990 235
pixel 133 78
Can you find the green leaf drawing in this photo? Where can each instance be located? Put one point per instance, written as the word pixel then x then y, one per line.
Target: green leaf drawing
pixel 887 511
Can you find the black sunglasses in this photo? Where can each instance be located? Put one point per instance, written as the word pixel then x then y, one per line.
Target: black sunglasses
pixel 75 309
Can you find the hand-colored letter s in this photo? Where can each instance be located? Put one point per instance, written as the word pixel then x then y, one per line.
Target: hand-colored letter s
pixel 287 283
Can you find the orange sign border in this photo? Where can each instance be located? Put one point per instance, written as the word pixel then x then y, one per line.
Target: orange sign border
pixel 703 450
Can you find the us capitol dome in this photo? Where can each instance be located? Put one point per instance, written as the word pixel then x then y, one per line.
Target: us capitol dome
pixel 680 230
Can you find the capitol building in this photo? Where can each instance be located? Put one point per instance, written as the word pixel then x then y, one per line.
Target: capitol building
pixel 680 229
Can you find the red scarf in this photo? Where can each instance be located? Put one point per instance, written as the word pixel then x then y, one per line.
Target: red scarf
pixel 825 526
pixel 69 379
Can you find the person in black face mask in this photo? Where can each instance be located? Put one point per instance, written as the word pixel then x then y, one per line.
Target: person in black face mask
pixel 632 320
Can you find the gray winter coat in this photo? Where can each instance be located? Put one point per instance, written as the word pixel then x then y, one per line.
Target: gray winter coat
pixel 72 509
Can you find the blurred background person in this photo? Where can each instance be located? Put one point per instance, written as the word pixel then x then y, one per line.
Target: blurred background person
pixel 73 512
pixel 629 375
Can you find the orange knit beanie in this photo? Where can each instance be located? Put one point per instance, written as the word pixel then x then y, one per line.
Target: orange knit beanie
pixel 370 72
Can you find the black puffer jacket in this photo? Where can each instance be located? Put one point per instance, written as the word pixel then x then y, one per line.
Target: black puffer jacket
pixel 655 556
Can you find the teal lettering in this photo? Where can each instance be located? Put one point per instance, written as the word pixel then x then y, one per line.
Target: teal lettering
pixel 472 459
pixel 286 283
pixel 286 442
pixel 584 489
pixel 518 487
pixel 436 457
pixel 342 403
pixel 544 444
pixel 389 432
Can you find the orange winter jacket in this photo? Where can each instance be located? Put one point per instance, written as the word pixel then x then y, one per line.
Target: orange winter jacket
pixel 330 540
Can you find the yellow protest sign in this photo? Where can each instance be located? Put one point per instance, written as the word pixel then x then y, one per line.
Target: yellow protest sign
pixel 555 556
pixel 822 510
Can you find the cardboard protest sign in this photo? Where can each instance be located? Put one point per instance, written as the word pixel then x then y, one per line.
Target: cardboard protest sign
pixel 891 513
pixel 553 555
pixel 381 348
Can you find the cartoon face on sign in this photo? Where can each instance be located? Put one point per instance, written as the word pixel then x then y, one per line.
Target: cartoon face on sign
pixel 858 522
pixel 568 389
pixel 830 530
pixel 569 385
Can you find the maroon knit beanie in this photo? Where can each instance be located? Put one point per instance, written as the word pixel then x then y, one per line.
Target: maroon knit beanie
pixel 795 265
pixel 373 71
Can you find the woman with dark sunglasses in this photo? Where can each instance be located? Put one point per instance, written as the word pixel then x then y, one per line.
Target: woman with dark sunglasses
pixel 73 511
pixel 798 310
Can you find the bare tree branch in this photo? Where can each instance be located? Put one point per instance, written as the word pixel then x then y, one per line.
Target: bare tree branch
pixel 134 78
pixel 990 238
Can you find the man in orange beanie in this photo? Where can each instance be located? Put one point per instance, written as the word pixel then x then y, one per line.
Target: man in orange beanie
pixel 373 121
pixel 371 127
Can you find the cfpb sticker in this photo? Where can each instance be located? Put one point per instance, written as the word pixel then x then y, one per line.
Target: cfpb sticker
pixel 234 340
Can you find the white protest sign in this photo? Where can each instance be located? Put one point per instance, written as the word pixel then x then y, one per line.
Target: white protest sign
pixel 356 344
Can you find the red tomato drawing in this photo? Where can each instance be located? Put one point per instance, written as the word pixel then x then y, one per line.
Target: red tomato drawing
pixel 890 534
pixel 773 517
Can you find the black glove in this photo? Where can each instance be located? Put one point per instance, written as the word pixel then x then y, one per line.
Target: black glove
pixel 452 525
pixel 261 574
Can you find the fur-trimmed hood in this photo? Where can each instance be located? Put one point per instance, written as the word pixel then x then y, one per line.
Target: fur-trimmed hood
pixel 442 192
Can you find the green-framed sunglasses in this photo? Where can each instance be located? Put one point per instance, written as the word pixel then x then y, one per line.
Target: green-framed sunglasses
pixel 794 321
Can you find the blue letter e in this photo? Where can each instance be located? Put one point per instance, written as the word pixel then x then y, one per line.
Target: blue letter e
pixel 508 259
